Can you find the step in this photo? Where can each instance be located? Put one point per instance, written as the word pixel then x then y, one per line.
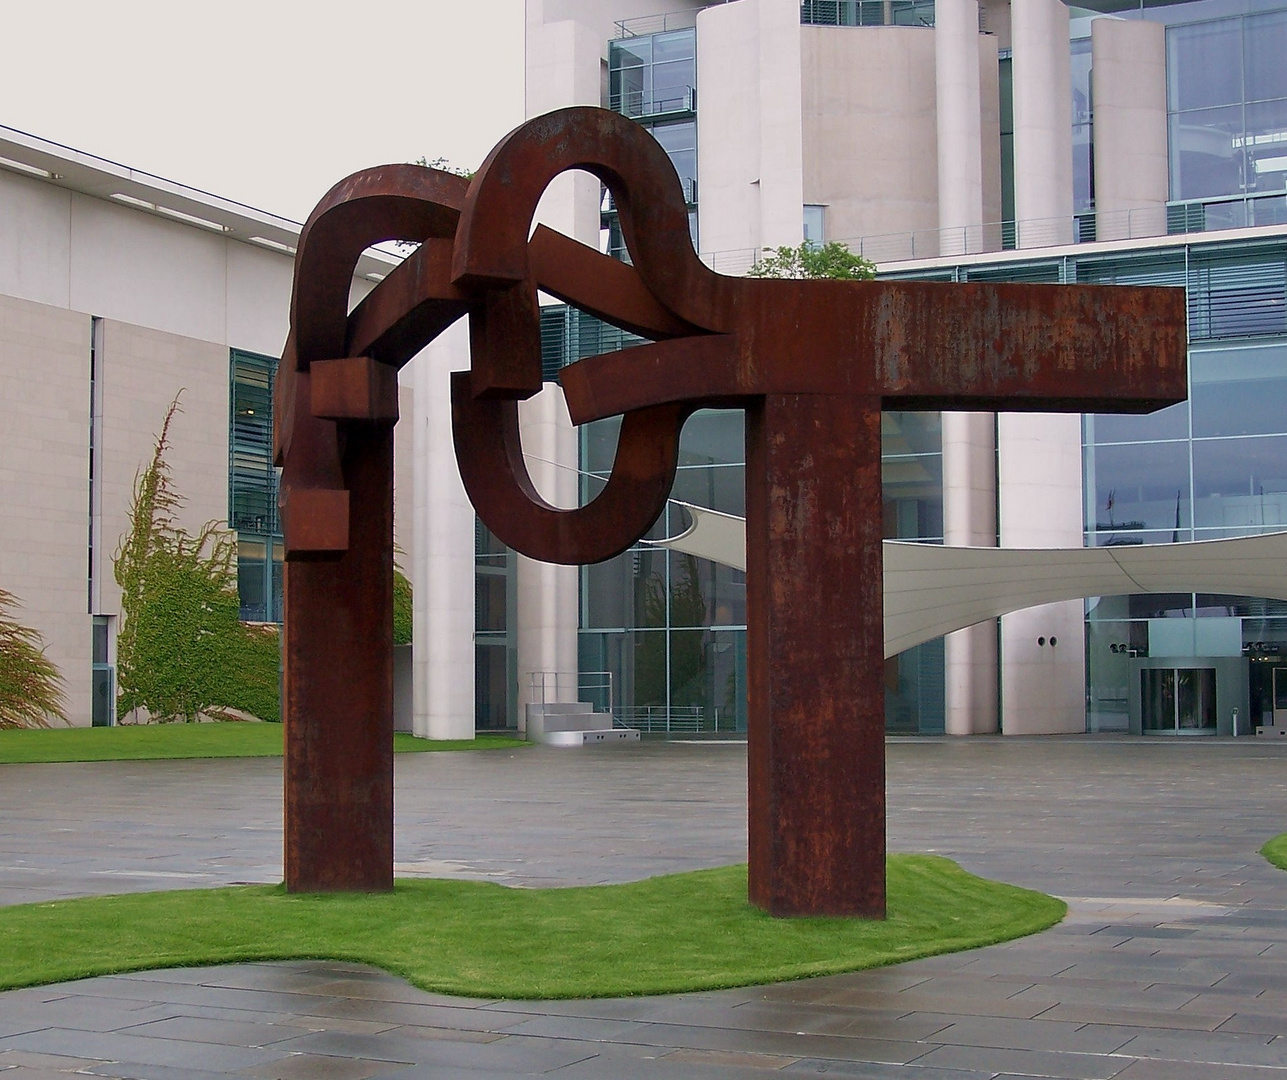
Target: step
pixel 608 737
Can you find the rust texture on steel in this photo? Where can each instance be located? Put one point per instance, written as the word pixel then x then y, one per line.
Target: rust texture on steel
pixel 812 363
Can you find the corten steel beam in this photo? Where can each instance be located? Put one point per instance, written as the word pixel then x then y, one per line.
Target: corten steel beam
pixel 812 363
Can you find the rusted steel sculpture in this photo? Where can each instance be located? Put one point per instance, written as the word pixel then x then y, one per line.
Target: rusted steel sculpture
pixel 812 364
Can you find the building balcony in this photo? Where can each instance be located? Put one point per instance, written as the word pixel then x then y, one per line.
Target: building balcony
pixel 670 104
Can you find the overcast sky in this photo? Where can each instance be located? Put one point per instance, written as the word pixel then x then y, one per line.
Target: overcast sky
pixel 266 102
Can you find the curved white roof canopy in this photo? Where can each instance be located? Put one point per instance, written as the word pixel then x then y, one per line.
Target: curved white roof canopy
pixel 931 590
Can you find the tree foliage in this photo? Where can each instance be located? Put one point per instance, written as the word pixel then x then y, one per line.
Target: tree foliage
pixel 810 260
pixel 182 650
pixel 402 612
pixel 31 687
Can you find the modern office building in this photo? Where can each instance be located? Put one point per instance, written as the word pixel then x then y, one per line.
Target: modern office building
pixel 1022 140
pixel 987 140
pixel 119 292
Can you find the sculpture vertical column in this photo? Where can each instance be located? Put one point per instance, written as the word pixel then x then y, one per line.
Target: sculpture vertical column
pixel 815 656
pixel 337 702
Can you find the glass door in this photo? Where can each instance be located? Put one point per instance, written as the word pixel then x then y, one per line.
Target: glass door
pixel 1179 701
pixel 1280 697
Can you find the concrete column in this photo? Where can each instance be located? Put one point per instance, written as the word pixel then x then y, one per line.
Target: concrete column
pixel 728 136
pixel 1128 88
pixel 442 553
pixel 1039 466
pixel 959 115
pixel 564 67
pixel 781 175
pixel 564 61
pixel 1043 198
pixel 547 595
pixel 969 519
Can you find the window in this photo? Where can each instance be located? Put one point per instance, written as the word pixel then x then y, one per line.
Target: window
pixel 252 487
pixel 1227 106
pixel 813 229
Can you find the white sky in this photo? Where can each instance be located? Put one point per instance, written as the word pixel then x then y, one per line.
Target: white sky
pixel 267 102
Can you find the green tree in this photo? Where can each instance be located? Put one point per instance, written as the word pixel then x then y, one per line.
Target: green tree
pixel 31 687
pixel 183 650
pixel 809 260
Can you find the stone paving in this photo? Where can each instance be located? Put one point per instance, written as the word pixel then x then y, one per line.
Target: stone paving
pixel 1170 965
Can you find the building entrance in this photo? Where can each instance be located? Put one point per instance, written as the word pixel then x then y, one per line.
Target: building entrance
pixel 1280 697
pixel 1179 701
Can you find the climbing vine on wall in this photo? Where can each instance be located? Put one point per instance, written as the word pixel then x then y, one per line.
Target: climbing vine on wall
pixel 31 687
pixel 182 651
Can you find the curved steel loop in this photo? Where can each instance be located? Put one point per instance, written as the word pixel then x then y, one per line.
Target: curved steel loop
pixel 402 202
pixel 492 238
pixel 495 260
pixel 389 202
pixel 491 464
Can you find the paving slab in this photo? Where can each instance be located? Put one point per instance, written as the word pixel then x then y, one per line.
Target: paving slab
pixel 1170 964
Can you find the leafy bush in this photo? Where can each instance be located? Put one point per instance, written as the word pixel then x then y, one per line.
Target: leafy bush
pixel 31 687
pixel 810 260
pixel 183 650
pixel 401 608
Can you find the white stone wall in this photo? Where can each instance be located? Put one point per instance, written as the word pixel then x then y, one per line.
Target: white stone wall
pixel 1039 469
pixel 870 129
pixel 44 477
pixel 173 300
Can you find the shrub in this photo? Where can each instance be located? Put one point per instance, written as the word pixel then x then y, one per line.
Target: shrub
pixel 183 650
pixel 31 687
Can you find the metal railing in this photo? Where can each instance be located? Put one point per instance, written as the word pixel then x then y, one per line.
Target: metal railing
pixel 649 104
pixel 594 687
pixel 676 719
pixel 645 25
pixel 1164 219
pixel 867 12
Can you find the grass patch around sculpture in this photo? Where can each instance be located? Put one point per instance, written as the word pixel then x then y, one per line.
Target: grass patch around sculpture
pixel 145 742
pixel 682 932
pixel 1276 851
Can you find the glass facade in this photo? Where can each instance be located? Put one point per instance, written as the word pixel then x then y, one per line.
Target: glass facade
pixel 652 78
pixel 495 661
pixel 671 628
pixel 1212 467
pixel 1227 117
pixel 252 487
pixel 1083 130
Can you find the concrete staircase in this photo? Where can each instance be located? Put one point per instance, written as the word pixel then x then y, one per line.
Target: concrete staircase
pixel 574 723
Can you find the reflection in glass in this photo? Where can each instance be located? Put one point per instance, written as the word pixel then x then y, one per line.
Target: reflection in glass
pixel 1169 423
pixel 1264 39
pixel 1239 391
pixel 1204 64
pixel 1138 486
pixel 1082 129
pixel 1240 483
pixel 1206 153
pixel 1178 700
pixel 713 437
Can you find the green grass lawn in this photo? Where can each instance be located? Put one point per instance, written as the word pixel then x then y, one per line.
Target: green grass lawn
pixel 1276 851
pixel 152 741
pixel 692 931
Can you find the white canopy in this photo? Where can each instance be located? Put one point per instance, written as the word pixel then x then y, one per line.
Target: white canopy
pixel 931 590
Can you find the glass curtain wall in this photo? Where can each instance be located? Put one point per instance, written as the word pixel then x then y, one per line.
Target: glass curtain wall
pixel 1227 117
pixel 671 628
pixel 1209 468
pixel 652 78
pixel 252 487
pixel 495 661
